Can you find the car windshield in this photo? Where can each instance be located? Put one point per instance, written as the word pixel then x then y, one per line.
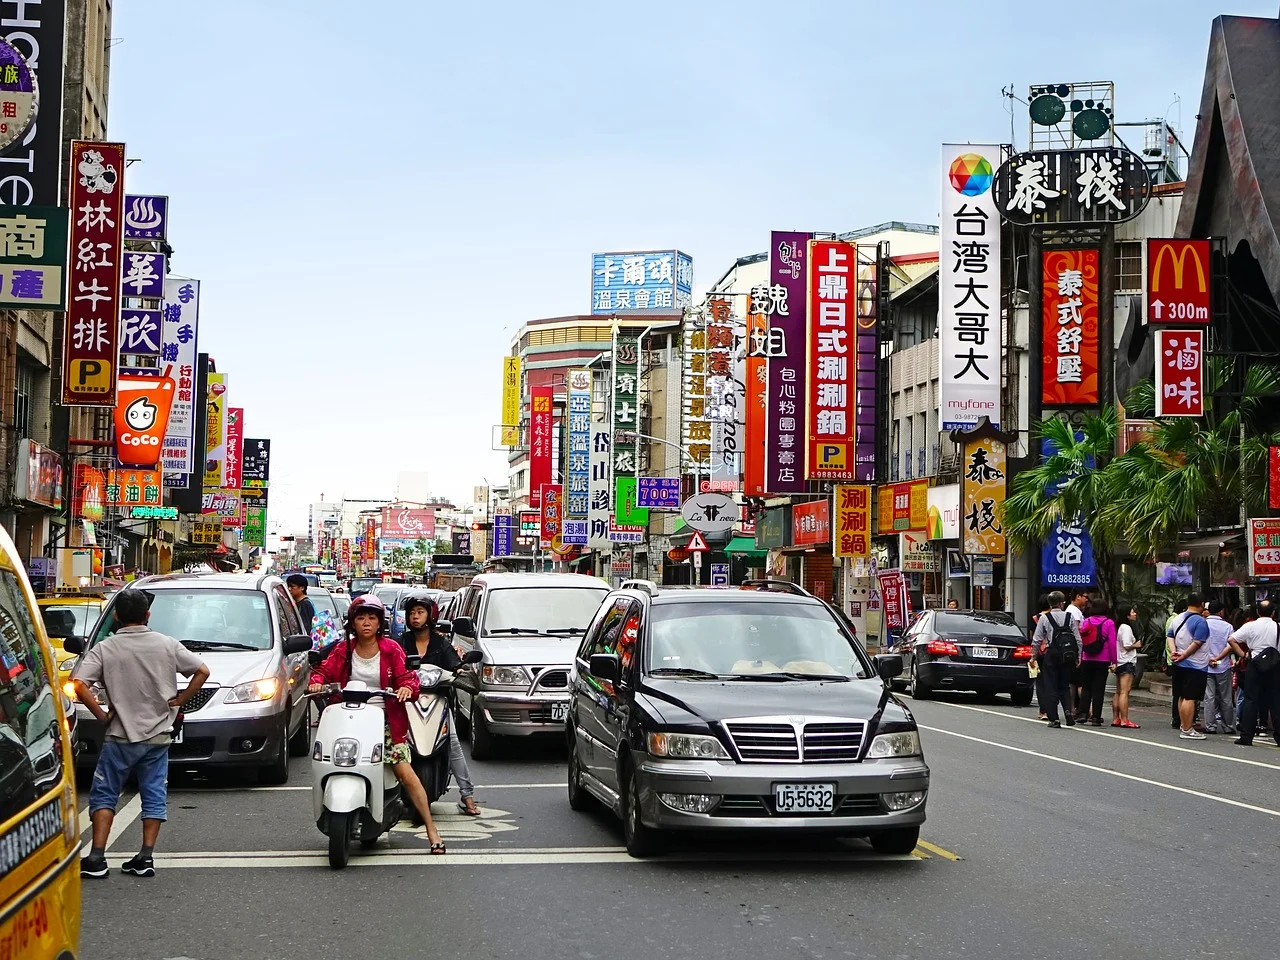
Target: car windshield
pixel 388 595
pixel 362 585
pixel 557 610
pixel 207 618
pixel 969 624
pixel 740 638
pixel 322 600
pixel 84 615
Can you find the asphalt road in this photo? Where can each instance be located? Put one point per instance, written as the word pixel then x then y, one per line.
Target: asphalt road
pixel 1040 843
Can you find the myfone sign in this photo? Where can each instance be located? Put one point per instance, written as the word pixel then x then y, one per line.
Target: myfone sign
pixel 1178 281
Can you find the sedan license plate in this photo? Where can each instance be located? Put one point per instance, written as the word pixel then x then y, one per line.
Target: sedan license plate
pixel 559 712
pixel 804 797
pixel 985 653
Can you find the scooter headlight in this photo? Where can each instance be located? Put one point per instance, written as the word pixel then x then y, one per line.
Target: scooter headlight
pixel 429 676
pixel 376 755
pixel 345 752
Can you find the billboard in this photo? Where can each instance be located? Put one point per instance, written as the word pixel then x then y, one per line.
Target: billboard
pixel 178 343
pixel 832 360
pixel 726 370
pixel 400 522
pixel 641 281
pixel 146 217
pixel 141 418
pixel 510 401
pixel 785 300
pixel 552 515
pixel 1178 281
pixel 1180 373
pixel 811 523
pixel 1070 322
pixel 577 498
pixel 695 412
pixel 33 257
pixel 541 422
pixel 969 326
pixel 601 507
pixel 215 442
pixel 626 421
pixel 852 521
pixel 757 400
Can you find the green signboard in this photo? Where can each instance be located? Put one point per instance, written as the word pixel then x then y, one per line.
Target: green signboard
pixel 33 257
pixel 255 527
pixel 153 513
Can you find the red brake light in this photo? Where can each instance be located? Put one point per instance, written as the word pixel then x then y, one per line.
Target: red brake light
pixel 943 648
pixel 1022 653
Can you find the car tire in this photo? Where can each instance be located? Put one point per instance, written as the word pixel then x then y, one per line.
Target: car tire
pixel 300 742
pixel 1021 697
pixel 276 773
pixel 641 841
pixel 482 744
pixel 579 799
pixel 339 839
pixel 919 690
pixel 899 841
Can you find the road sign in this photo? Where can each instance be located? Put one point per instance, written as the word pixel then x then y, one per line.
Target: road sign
pixel 698 544
pixel 710 512
pixel 719 575
pixel 1178 281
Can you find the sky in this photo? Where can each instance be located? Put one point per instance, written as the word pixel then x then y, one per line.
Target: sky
pixel 376 196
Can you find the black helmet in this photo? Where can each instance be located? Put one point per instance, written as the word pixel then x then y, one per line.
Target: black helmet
pixel 421 600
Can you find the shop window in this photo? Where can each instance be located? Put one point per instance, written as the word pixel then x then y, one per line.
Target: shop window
pixel 24 391
pixel 1128 266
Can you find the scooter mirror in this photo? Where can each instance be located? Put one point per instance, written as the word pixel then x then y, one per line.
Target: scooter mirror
pixel 412 663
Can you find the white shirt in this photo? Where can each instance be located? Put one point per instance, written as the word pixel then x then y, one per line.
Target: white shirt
pixel 370 672
pixel 1124 637
pixel 1257 635
pixel 1076 613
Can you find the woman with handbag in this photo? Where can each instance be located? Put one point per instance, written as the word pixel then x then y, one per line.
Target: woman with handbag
pixel 1259 641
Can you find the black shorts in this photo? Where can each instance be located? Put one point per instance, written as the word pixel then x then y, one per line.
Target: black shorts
pixel 1126 668
pixel 1193 682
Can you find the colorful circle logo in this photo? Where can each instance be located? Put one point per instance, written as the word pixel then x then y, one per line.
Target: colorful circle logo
pixel 971 174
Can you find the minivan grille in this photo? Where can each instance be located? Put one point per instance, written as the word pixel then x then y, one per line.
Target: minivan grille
pixel 833 742
pixel 765 741
pixel 199 699
pixel 553 680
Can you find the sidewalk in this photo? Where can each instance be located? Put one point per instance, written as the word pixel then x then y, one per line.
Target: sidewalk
pixel 1156 691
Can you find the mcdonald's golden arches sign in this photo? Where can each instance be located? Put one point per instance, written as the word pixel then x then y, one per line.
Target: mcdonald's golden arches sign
pixel 1178 281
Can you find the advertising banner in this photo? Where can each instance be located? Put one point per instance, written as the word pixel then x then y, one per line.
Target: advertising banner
pixel 785 300
pixel 757 399
pixel 969 327
pixel 1264 548
pixel 181 453
pixel 141 418
pixel 726 369
pixel 503 535
pixel 601 511
pixel 659 493
pixel 895 601
pixel 1070 321
pixel 31 172
pixel 146 217
pixel 1066 559
pixel 626 414
pixel 642 281
pixel 852 521
pixel 1180 373
pixel 903 506
pixel 91 336
pixel 866 380
pixel 944 512
pixel 811 523
pixel 223 503
pixel 983 483
pixel 370 539
pixel 552 515
pixel 510 401
pixel 1178 281
pixel 408 523
pixel 142 275
pixel 577 499
pixel 38 475
pixel 206 532
pixel 695 407
pixel 916 554
pixel 140 332
pixel 134 488
pixel 215 443
pixel 1273 477
pixel 255 527
pixel 541 425
pixel 19 94
pixel 256 467
pixel 832 360
pixel 235 448
pixel 88 492
pixel 627 509
pixel 33 257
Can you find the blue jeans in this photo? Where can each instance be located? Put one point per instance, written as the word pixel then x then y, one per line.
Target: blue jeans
pixel 458 762
pixel 116 761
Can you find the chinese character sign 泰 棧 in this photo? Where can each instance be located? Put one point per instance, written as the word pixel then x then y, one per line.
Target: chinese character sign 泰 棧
pixel 1070 324
pixel 984 481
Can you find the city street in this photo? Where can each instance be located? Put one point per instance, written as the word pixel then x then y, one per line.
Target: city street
pixel 1040 843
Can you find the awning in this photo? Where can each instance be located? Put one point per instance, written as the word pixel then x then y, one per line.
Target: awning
pixel 1206 548
pixel 745 547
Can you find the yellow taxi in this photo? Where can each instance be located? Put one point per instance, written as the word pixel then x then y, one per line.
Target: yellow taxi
pixel 69 615
pixel 39 822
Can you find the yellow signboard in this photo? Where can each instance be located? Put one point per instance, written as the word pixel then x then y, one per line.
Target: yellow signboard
pixel 511 401
pixel 983 483
pixel 216 430
pixel 851 525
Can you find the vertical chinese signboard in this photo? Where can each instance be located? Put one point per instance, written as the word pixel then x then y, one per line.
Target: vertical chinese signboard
pixel 255 527
pixel 1180 373
pixel 503 535
pixel 215 440
pixel 852 535
pixel 1066 559
pixel 235 448
pixel 969 325
pixel 726 342
pixel 541 421
pixel 984 483
pixel 695 413
pixel 785 301
pixel 831 344
pixel 552 515
pixel 181 453
pixel 91 336
pixel 1178 281
pixel 1070 373
pixel 577 500
pixel 601 487
pixel 510 401
pixel 867 358
pixel 626 376
pixel 1264 548
pixel 1273 476
pixel 757 399
pixel 895 599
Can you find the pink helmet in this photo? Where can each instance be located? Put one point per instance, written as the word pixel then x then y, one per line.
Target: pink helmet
pixel 367 604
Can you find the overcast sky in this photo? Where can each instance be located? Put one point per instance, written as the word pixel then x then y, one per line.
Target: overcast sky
pixel 377 195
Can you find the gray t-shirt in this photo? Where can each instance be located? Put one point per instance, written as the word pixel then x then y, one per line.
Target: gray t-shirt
pixel 138 668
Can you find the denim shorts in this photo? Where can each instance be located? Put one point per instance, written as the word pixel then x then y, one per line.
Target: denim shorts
pixel 116 761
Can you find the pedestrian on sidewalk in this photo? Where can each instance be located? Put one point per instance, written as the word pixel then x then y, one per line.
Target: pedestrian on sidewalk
pixel 136 667
pixel 1097 657
pixel 1079 609
pixel 1041 695
pixel 1190 636
pixel 1259 642
pixel 1127 647
pixel 1057 642
pixel 1219 700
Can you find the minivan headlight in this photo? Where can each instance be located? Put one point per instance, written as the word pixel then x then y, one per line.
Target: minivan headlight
pixel 686 746
pixel 505 676
pixel 905 743
pixel 345 752
pixel 253 691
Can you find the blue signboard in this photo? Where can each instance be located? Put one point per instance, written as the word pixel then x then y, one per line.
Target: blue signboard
pixel 140 332
pixel 146 218
pixel 142 275
pixel 719 575
pixel 578 475
pixel 643 281
pixel 660 493
pixel 503 534
pixel 1066 558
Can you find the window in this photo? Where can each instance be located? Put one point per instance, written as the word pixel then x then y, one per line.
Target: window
pixel 606 635
pixel 1128 266
pixel 30 733
pixel 287 614
pixel 24 391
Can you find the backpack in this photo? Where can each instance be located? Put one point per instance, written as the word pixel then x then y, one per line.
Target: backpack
pixel 1091 637
pixel 1063 646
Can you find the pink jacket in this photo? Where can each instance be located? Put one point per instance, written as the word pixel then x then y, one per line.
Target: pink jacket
pixel 1107 631
pixel 394 675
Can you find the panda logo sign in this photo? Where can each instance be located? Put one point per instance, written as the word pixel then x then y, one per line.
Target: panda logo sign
pixel 141 418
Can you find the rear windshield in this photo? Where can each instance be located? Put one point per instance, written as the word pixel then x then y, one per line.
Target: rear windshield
pixel 322 600
pixel 968 624
pixel 239 617
pixel 84 615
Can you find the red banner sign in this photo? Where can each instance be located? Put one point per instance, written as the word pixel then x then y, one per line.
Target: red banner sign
pixel 89 492
pixel 894 599
pixel 1264 548
pixel 235 448
pixel 1070 320
pixel 832 360
pixel 1179 373
pixel 811 523
pixel 1273 473
pixel 757 400
pixel 540 430
pixel 91 337
pixel 408 523
pixel 1178 281
pixel 552 524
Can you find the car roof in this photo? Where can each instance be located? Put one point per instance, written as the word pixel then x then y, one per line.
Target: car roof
pixel 504 580
pixel 719 594
pixel 224 581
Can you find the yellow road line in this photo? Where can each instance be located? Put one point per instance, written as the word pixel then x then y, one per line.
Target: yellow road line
pixel 945 854
pixel 919 854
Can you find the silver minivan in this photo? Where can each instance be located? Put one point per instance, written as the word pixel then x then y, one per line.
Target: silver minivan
pixel 250 713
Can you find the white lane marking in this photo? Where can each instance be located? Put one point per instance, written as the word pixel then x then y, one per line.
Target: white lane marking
pixel 384 851
pixel 123 819
pixel 196 791
pixel 1118 736
pixel 520 786
pixel 1114 773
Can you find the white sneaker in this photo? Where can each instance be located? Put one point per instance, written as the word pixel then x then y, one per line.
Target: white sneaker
pixel 1191 734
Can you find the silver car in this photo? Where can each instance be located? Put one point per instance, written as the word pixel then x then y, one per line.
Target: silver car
pixel 250 712
pixel 528 626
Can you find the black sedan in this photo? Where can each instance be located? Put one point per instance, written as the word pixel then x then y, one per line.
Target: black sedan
pixel 980 650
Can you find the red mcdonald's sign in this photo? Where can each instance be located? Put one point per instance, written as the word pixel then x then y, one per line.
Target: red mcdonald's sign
pixel 1178 281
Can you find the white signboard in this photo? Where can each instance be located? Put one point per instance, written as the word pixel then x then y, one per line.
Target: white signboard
pixel 178 347
pixel 916 553
pixel 969 326
pixel 983 572
pixel 944 512
pixel 710 512
pixel 601 486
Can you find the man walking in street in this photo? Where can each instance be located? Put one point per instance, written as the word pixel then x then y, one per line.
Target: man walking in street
pixel 1219 701
pixel 1190 636
pixel 1259 640
pixel 1057 643
pixel 136 667
pixel 297 585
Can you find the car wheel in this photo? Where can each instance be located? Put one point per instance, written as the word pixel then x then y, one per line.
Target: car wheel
pixel 919 691
pixel 900 841
pixel 339 839
pixel 481 739
pixel 641 841
pixel 276 773
pixel 579 798
pixel 1021 697
pixel 300 742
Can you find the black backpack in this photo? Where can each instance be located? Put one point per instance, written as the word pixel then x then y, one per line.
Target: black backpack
pixel 1063 645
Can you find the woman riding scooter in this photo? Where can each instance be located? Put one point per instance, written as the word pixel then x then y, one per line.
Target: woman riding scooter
pixel 421 639
pixel 369 655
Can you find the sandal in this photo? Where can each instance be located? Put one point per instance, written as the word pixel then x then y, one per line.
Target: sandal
pixel 1116 723
pixel 437 849
pixel 462 809
pixel 1130 725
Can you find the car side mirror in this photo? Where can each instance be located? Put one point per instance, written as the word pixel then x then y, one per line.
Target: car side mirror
pixel 296 643
pixel 888 665
pixel 473 656
pixel 606 666
pixel 73 645
pixel 413 662
pixel 444 626
pixel 464 627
